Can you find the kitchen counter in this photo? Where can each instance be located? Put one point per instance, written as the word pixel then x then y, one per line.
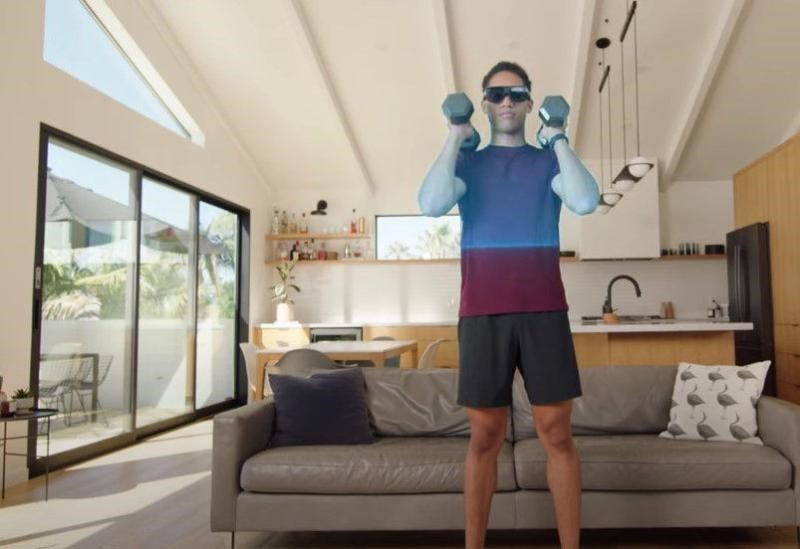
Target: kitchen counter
pixel 661 325
pixel 576 326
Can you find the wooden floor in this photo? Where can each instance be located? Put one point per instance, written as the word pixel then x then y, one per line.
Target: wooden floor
pixel 156 494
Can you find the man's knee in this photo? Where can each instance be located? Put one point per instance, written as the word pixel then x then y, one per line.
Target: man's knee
pixel 553 426
pixel 487 428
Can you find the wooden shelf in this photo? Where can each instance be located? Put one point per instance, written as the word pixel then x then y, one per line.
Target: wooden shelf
pixel 316 236
pixel 319 263
pixel 695 257
pixel 358 261
pixel 386 261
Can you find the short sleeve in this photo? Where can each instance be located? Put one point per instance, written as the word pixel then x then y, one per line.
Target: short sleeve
pixel 555 169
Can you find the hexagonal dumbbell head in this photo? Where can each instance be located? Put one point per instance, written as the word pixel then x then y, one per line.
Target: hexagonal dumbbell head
pixel 554 111
pixel 458 108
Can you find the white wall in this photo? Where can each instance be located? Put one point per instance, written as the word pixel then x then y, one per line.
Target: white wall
pixel 33 92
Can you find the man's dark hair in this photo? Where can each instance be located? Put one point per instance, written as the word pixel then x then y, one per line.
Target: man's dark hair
pixel 506 66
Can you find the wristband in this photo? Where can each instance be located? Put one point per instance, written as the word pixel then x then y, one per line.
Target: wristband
pixel 553 140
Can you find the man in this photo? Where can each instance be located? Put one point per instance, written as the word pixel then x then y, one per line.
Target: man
pixel 513 309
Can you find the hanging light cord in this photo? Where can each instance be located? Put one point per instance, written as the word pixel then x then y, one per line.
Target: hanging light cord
pixel 622 68
pixel 602 151
pixel 636 72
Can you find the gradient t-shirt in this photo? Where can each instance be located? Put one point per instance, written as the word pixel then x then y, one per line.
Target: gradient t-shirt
pixel 509 239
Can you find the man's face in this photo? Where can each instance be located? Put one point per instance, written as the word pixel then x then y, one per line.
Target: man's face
pixel 506 116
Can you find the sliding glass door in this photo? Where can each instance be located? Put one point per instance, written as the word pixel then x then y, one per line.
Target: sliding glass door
pixel 137 303
pixel 87 278
pixel 217 303
pixel 167 256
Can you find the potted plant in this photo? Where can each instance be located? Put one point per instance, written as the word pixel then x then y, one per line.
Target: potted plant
pixel 280 292
pixel 23 399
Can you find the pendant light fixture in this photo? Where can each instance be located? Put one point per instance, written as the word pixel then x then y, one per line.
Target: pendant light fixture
pixel 610 197
pixel 638 166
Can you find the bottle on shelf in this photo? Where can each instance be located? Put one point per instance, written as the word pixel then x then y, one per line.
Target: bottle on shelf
pixel 312 251
pixel 283 251
pixel 295 255
pixel 304 251
pixel 284 223
pixel 362 225
pixel 353 223
pixel 346 253
pixel 304 224
pixel 276 222
pixel 322 254
pixel 293 224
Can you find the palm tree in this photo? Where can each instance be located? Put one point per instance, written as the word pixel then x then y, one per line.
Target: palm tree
pixel 398 250
pixel 439 242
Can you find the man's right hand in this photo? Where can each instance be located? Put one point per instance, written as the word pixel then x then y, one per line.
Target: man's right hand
pixel 461 132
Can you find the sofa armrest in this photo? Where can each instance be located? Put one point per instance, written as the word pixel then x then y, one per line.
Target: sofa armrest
pixel 779 427
pixel 238 434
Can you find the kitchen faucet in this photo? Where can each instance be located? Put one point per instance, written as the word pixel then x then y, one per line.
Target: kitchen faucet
pixel 607 305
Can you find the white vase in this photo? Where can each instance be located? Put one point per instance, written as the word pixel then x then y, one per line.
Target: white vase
pixel 284 313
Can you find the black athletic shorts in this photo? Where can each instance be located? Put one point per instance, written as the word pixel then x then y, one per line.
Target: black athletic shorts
pixel 492 346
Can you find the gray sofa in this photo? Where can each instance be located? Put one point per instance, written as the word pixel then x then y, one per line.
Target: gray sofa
pixel 412 476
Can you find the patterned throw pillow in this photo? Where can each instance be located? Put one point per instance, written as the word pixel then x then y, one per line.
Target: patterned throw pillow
pixel 716 403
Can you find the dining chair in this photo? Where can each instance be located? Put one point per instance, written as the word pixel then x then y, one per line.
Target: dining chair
pixel 249 353
pixel 426 359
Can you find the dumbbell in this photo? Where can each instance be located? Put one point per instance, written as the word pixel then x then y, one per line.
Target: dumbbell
pixel 458 109
pixel 553 113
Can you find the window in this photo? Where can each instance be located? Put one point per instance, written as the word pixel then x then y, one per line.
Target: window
pixel 93 46
pixel 418 237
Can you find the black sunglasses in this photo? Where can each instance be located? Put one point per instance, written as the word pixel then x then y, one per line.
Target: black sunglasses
pixel 495 94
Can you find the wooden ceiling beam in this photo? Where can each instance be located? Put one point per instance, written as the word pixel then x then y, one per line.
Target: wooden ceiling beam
pixel 299 22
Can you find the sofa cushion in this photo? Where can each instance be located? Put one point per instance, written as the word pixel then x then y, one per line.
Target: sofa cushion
pixel 615 399
pixel 412 402
pixel 389 465
pixel 325 408
pixel 648 462
pixel 715 403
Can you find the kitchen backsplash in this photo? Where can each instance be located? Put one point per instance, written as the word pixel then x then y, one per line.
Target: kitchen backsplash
pixel 430 293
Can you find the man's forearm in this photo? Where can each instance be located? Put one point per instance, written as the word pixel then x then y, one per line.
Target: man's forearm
pixel 439 192
pixel 578 186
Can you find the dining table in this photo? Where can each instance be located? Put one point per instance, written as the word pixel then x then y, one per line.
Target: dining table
pixel 376 351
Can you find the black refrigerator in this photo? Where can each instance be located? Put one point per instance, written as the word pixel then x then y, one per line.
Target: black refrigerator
pixel 750 297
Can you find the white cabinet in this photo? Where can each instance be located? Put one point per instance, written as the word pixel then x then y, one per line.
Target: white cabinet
pixel 630 230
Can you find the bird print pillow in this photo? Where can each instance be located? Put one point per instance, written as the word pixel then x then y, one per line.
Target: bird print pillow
pixel 716 403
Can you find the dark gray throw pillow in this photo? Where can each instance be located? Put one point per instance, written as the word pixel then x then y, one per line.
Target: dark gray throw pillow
pixel 329 408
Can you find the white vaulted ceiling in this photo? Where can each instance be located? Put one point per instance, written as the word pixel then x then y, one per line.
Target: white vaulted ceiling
pixel 346 94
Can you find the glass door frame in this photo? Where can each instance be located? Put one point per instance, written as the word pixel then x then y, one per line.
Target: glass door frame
pixel 37 466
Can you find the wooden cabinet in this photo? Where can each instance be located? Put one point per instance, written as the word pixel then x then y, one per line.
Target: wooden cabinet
pixel 280 337
pixel 750 195
pixel 784 197
pixel 769 190
pixel 654 348
pixel 787 353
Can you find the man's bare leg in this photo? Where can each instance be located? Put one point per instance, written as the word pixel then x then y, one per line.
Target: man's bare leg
pixel 563 468
pixel 487 432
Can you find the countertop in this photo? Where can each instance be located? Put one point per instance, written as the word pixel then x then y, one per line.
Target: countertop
pixel 576 326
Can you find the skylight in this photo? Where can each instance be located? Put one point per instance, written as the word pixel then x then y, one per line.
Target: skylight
pixel 86 40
